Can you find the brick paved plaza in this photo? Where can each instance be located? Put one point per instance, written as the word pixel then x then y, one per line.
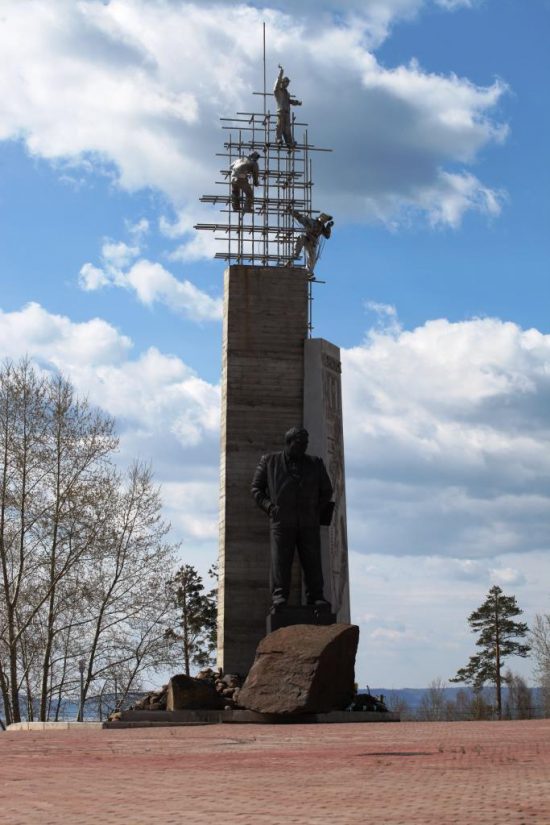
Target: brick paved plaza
pixel 341 774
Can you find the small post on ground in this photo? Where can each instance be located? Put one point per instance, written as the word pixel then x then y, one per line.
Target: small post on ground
pixel 81 667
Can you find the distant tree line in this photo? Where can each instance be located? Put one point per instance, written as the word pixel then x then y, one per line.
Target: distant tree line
pixel 439 705
pixel 89 591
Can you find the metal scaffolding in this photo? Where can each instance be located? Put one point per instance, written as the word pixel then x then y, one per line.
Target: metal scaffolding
pixel 267 235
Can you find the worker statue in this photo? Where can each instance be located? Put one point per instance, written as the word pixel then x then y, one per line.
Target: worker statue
pixel 242 170
pixel 284 102
pixel 315 228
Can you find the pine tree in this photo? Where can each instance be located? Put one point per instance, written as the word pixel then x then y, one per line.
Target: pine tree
pixel 494 622
pixel 196 616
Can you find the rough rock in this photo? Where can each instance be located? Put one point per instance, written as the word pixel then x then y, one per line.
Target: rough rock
pixel 154 700
pixel 186 693
pixel 302 669
pixel 209 674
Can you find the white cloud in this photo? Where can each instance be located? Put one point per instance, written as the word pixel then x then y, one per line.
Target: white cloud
pixel 142 85
pixel 447 439
pixel 413 611
pixel 455 195
pixel 386 314
pixel 149 280
pixel 152 282
pixel 164 410
pixel 451 5
pixel 91 278
pixel 507 576
pixel 56 339
pixel 139 229
pixel 118 254
pixel 192 507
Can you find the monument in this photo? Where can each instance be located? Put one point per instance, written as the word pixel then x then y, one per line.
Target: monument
pixel 275 375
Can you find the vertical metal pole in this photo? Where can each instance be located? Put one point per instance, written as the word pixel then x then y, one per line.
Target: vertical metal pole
pixel 310 304
pixel 266 161
pixel 229 204
pixel 240 213
pixel 252 243
pixel 277 212
pixel 265 84
pixel 81 666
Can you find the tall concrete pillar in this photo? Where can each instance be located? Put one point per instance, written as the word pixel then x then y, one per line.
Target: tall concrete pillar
pixel 323 420
pixel 264 329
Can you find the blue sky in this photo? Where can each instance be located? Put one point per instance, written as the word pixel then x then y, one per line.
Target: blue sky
pixel 436 274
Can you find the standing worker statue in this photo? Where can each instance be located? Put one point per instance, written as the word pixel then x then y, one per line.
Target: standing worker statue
pixel 284 102
pixel 241 170
pixel 295 491
pixel 315 228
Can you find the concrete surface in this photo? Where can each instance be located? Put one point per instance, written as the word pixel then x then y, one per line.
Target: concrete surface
pixel 475 773
pixel 53 725
pixel 154 718
pixel 264 329
pixel 323 419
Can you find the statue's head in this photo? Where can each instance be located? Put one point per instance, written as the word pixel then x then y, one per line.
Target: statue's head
pixel 254 155
pixel 296 441
pixel 324 218
pixel 285 81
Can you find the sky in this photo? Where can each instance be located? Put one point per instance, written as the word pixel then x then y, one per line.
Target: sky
pixel 436 274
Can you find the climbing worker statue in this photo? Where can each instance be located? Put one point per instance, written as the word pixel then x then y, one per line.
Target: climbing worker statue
pixel 242 170
pixel 315 228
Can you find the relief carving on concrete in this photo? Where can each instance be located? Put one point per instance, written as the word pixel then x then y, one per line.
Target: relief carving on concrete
pixel 338 546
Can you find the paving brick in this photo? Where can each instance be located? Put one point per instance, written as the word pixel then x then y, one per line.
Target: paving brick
pixel 476 773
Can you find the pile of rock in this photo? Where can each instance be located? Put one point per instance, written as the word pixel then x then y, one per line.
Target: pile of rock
pixel 300 669
pixel 227 685
pixel 208 689
pixel 154 700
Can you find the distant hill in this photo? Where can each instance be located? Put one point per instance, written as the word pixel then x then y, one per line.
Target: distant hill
pixel 414 696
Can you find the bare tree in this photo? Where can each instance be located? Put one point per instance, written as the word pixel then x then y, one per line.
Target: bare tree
pixel 127 589
pixel 462 706
pixel 433 705
pixel 540 642
pixel 397 703
pixel 519 704
pixel 83 559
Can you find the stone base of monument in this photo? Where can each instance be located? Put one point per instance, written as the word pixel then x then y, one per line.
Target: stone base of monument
pixel 301 669
pixel 180 718
pixel 300 614
pixel 302 674
pixel 334 717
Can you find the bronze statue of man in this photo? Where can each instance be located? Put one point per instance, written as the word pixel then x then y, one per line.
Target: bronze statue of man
pixel 293 489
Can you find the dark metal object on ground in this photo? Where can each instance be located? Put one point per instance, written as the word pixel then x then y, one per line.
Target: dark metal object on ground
pixel 368 702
